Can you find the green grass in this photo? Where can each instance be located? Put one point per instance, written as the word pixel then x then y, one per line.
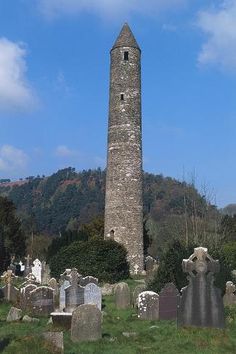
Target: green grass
pixel 150 336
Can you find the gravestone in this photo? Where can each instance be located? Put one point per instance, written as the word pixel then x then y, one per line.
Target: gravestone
pixel 37 270
pixel 56 340
pixel 74 293
pixel 45 273
pixel 14 314
pixel 41 300
pixel 168 302
pixel 122 296
pixel 29 279
pixel 86 324
pixel 27 266
pixel 149 263
pixel 66 275
pixel 88 280
pixel 53 284
pixel 148 306
pixel 25 296
pixel 201 304
pixel 138 290
pixel 10 293
pixel 62 297
pixel 229 297
pixel 93 295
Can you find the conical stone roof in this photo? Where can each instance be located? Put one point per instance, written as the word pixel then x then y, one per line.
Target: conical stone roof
pixel 126 38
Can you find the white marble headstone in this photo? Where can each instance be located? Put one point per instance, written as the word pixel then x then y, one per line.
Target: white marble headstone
pixel 37 270
pixel 93 295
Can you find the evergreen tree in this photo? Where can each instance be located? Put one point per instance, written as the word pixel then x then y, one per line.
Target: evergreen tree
pixel 12 239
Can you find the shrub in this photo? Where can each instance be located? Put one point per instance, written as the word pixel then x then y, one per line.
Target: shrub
pixel 105 260
pixel 170 269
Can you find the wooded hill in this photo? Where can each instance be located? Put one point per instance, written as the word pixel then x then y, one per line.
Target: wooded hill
pixel 67 199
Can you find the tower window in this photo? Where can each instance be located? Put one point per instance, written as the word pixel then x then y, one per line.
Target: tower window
pixel 126 56
pixel 122 97
pixel 112 233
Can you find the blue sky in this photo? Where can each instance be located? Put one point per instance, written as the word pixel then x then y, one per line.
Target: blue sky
pixel 54 80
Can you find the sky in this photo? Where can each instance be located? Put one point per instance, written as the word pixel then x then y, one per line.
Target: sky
pixel 54 82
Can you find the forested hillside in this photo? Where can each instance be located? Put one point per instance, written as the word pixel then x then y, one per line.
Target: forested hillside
pixel 68 199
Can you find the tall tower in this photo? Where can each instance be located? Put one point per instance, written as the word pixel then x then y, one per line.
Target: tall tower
pixel 124 202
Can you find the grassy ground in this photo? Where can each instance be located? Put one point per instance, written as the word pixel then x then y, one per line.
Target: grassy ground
pixel 148 336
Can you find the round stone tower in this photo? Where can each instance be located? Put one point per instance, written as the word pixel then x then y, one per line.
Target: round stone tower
pixel 124 202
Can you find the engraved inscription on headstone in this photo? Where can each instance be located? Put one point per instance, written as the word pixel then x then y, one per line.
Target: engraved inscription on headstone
pixel 41 300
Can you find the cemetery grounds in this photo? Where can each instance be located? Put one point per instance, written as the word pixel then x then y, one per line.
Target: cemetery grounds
pixel 122 333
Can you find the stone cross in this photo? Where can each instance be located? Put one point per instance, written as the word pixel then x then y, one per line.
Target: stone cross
pixel 136 268
pixel 200 262
pixel 28 258
pixel 74 277
pixel 201 304
pixel 8 276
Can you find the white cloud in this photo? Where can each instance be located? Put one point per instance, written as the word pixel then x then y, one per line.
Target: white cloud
pixel 12 160
pixel 15 91
pixel 105 8
pixel 64 152
pixel 220 27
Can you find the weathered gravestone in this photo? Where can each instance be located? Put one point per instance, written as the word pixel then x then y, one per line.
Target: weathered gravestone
pixel 45 278
pixel 138 290
pixel 86 324
pixel 37 270
pixel 148 305
pixel 25 296
pixel 201 303
pixel 93 295
pixel 229 297
pixel 74 293
pixel 55 339
pixel 87 280
pixel 168 302
pixel 53 284
pixel 27 266
pixel 14 314
pixel 62 297
pixel 42 300
pixel 10 293
pixel 122 296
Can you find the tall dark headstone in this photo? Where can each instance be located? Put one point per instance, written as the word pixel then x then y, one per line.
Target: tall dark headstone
pixel 124 202
pixel 168 302
pixel 201 304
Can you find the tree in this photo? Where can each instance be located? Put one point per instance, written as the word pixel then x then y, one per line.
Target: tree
pixel 12 239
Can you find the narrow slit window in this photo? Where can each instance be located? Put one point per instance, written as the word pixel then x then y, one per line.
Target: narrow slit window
pixel 112 233
pixel 126 56
pixel 122 97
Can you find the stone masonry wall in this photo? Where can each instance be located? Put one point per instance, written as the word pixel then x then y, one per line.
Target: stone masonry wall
pixel 124 202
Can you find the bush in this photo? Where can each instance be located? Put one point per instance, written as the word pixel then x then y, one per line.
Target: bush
pixel 105 260
pixel 170 269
